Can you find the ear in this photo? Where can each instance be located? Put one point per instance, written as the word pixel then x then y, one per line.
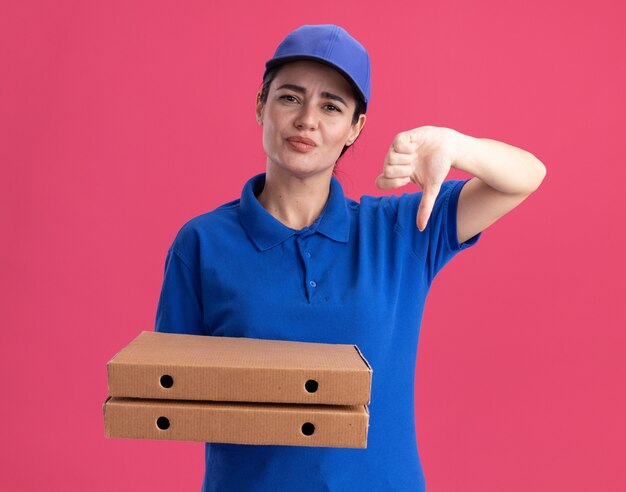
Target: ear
pixel 259 109
pixel 356 129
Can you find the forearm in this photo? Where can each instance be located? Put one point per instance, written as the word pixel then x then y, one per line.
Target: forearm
pixel 504 167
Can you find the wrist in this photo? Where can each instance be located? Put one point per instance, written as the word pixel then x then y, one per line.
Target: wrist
pixel 461 147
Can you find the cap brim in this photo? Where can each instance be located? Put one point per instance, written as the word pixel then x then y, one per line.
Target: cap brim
pixel 274 62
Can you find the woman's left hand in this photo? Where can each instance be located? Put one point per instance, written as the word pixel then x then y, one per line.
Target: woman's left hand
pixel 423 156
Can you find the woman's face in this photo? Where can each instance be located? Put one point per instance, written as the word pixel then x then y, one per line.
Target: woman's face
pixel 307 119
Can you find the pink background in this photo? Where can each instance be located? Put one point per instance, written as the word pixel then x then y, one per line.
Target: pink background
pixel 121 120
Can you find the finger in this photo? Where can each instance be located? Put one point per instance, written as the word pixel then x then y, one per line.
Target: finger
pixel 403 137
pixel 398 171
pixel 395 159
pixel 384 183
pixel 429 195
pixel 403 147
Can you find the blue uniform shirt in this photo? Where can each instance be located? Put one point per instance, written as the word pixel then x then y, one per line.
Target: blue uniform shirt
pixel 358 275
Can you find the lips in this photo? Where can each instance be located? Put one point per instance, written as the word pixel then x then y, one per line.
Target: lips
pixel 301 144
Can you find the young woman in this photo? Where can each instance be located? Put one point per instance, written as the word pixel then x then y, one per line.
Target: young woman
pixel 294 259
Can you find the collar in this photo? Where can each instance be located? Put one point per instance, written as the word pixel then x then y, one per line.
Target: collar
pixel 265 231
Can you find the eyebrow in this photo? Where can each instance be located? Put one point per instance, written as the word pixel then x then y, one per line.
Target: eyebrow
pixel 302 90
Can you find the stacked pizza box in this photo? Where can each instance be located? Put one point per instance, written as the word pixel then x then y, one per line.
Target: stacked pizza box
pixel 238 390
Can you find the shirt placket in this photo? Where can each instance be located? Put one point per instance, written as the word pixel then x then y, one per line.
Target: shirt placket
pixel 305 248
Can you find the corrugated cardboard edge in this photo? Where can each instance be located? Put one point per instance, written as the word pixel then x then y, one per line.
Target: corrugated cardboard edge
pixel 364 359
pixel 116 354
pixel 124 346
pixel 104 414
pixel 371 371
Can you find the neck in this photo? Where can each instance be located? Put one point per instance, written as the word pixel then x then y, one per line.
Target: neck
pixel 294 201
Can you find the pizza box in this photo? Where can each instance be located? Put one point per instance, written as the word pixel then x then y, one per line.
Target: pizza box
pixel 168 366
pixel 237 423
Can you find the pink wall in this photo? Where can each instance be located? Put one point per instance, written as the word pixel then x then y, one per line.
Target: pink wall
pixel 121 120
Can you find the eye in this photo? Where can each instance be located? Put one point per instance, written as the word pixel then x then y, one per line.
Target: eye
pixel 332 108
pixel 289 98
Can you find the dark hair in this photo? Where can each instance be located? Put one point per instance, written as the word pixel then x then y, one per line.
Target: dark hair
pixel 358 110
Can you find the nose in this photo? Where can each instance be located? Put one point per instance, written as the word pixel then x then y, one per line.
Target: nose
pixel 306 118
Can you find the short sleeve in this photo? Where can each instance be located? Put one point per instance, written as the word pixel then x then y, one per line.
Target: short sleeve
pixel 438 243
pixel 180 303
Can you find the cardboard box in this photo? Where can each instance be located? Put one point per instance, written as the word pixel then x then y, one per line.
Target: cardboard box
pixel 170 366
pixel 238 423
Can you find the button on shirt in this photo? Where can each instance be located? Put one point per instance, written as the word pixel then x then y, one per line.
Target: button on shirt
pixel 358 275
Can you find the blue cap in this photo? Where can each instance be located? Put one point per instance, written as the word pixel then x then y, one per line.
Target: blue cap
pixel 329 44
